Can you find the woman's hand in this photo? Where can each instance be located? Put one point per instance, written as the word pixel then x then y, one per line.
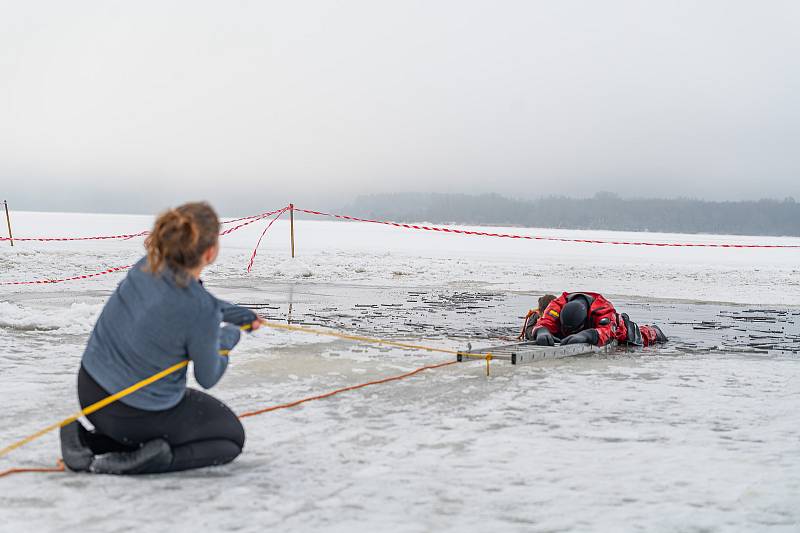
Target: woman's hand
pixel 257 324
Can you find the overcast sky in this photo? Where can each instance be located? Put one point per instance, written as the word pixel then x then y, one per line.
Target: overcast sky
pixel 132 106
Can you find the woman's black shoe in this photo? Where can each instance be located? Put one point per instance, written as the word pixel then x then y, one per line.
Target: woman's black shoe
pixel 74 451
pixel 154 456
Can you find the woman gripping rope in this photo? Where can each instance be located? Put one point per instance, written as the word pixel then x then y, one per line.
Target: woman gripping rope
pixel 160 315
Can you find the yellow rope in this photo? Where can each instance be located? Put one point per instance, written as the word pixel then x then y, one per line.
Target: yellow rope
pixel 288 327
pixel 359 338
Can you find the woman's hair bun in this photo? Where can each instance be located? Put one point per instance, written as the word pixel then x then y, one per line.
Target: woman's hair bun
pixel 180 237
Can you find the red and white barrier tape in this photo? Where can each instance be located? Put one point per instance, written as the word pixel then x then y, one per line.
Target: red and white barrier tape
pixel 95 238
pixel 250 220
pixel 255 218
pixel 126 236
pixel 255 250
pixel 73 278
pixel 541 238
pixel 223 222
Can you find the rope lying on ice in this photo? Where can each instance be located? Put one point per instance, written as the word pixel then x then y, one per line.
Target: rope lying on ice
pixel 344 389
pixel 41 470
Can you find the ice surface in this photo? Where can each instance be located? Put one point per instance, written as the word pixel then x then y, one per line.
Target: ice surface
pixel 293 268
pixel 699 435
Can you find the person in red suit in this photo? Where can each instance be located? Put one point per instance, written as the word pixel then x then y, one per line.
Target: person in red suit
pixel 587 317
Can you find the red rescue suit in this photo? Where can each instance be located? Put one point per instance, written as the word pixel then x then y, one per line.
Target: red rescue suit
pixel 599 309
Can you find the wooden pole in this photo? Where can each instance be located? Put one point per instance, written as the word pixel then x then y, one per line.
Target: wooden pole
pixel 291 225
pixel 8 223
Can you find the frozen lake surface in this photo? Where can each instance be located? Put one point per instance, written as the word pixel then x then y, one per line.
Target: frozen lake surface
pixel 700 435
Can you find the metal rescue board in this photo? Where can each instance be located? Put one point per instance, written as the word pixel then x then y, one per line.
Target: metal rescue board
pixel 528 352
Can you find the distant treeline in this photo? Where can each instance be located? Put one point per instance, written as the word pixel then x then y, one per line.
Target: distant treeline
pixel 603 211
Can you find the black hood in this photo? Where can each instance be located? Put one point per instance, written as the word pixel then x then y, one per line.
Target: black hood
pixel 575 315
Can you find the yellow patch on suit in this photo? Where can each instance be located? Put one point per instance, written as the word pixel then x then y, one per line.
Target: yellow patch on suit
pixel 553 313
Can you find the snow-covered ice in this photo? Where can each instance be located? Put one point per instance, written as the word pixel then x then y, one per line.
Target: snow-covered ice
pixel 700 435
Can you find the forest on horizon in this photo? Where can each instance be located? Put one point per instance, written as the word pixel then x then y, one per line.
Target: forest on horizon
pixel 603 211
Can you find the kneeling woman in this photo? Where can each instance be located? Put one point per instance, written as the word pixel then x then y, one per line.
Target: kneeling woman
pixel 160 315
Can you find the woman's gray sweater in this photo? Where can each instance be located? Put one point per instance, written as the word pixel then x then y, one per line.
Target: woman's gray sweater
pixel 151 323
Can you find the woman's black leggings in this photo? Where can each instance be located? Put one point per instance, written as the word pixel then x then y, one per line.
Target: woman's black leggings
pixel 201 430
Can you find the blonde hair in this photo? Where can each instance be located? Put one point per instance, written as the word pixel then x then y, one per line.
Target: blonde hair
pixel 180 237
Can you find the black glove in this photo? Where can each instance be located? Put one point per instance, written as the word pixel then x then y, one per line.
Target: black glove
pixel 587 336
pixel 544 337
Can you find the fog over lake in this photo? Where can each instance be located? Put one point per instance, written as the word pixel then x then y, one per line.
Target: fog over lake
pixel 134 106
